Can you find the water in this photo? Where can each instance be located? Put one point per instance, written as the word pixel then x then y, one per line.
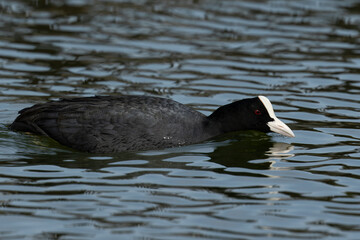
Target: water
pixel 303 55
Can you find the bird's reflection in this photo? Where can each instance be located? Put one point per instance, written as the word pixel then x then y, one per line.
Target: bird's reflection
pixel 280 150
pixel 246 147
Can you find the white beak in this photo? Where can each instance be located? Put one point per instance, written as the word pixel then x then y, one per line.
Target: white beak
pixel 276 125
pixel 280 127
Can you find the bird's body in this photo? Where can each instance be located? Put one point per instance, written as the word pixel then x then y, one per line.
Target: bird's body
pixel 127 123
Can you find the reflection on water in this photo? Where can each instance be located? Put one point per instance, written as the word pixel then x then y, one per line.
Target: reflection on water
pixel 243 148
pixel 303 55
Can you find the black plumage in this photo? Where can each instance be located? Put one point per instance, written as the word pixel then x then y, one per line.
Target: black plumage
pixel 124 123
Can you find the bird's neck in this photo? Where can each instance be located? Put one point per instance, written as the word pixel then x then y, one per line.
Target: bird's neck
pixel 224 119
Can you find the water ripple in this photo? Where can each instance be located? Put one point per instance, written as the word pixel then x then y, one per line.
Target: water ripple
pixel 303 55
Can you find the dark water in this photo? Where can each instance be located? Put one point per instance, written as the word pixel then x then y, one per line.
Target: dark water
pixel 303 55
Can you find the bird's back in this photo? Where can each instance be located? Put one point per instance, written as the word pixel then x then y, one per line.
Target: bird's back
pixel 114 124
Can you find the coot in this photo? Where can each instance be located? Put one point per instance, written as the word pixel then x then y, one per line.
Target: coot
pixel 104 124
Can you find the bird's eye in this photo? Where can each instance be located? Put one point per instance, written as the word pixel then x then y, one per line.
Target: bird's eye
pixel 257 112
